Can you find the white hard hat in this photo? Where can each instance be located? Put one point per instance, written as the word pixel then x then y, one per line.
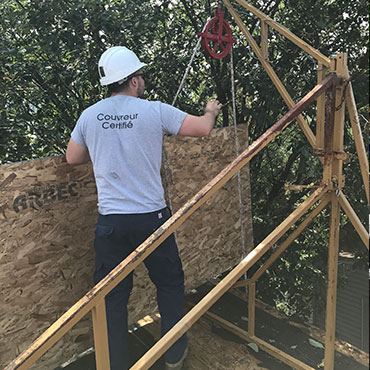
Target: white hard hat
pixel 116 64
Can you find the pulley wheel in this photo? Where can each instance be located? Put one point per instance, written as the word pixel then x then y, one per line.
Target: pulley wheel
pixel 217 36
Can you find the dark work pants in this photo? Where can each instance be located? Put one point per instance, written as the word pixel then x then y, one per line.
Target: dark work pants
pixel 116 236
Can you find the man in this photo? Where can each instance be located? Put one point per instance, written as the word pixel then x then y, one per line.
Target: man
pixel 123 135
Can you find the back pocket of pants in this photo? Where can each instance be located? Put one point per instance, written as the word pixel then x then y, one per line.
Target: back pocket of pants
pixel 104 231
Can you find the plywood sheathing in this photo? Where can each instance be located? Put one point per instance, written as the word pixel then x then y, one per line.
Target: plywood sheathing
pixel 48 214
pixel 47 218
pixel 210 240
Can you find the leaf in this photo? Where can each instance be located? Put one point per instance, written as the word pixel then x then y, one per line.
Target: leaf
pixel 254 347
pixel 316 344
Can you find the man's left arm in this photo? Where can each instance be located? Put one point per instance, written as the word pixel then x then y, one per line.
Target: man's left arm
pixel 76 153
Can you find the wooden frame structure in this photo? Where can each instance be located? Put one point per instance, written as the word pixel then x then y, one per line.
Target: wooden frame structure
pixel 328 143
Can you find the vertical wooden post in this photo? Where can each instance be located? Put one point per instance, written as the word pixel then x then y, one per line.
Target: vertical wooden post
pixel 320 106
pixel 99 319
pixel 331 299
pixel 341 71
pixel 329 134
pixel 337 180
pixel 264 40
pixel 251 309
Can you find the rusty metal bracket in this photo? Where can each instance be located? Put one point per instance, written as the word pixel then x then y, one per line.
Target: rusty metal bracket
pixel 346 83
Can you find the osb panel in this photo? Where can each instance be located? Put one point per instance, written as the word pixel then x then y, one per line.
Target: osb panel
pixel 48 210
pixel 48 214
pixel 210 240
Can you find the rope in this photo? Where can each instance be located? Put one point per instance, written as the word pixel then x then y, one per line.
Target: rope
pixel 167 168
pixel 241 209
pixel 182 83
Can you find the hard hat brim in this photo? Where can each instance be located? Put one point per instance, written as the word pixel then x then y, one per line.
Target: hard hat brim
pixel 108 80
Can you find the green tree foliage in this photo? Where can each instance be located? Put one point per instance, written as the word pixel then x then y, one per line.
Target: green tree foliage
pixel 49 51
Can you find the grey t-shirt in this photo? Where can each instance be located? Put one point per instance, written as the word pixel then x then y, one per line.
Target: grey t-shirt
pixel 124 137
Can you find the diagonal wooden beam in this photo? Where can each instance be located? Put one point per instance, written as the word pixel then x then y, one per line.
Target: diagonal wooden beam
pixel 288 34
pixel 224 285
pixel 359 141
pixel 361 231
pixel 96 294
pixel 281 249
pixel 294 235
pixel 270 71
pixel 268 348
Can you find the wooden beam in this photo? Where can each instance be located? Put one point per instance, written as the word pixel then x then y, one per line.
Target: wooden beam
pixel 224 285
pixel 331 300
pixel 329 134
pixel 320 111
pixel 290 239
pixel 288 34
pixel 275 79
pixel 341 71
pixel 252 309
pixel 357 134
pixel 99 319
pixel 242 283
pixel 273 351
pixel 361 231
pixel 284 245
pixel 85 304
pixel 264 41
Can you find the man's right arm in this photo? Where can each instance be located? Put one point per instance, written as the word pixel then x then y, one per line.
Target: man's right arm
pixel 202 125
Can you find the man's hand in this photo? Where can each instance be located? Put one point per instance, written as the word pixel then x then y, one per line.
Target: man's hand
pixel 201 126
pixel 213 107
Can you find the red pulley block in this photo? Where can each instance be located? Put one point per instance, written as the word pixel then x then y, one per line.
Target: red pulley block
pixel 217 36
